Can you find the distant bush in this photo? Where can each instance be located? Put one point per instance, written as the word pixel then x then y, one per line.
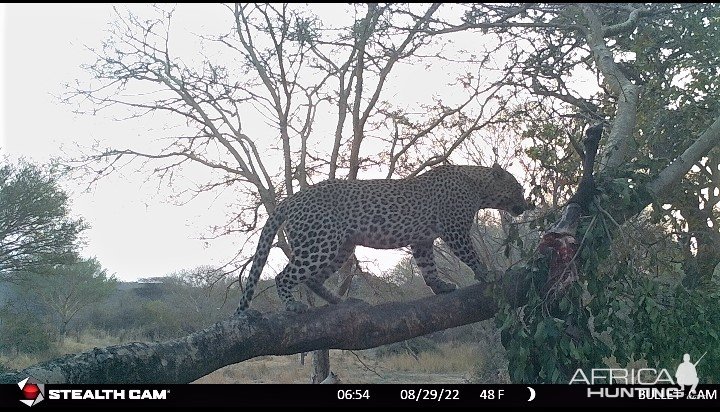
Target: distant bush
pixel 23 333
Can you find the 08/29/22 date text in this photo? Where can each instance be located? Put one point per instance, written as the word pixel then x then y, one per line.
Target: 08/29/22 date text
pixel 429 395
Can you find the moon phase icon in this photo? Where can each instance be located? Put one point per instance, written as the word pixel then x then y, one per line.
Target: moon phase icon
pixel 532 394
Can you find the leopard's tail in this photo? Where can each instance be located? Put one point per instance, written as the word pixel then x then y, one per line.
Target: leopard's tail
pixel 272 226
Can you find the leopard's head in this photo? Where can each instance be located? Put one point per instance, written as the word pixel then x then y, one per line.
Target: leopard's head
pixel 507 193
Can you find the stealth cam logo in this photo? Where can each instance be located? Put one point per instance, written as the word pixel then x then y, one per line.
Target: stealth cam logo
pixel 33 391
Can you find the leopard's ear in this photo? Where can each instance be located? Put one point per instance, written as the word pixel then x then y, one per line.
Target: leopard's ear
pixel 497 170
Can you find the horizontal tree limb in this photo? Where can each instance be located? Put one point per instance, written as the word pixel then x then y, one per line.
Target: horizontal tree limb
pixel 349 325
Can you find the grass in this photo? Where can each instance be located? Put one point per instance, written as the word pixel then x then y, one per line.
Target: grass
pixel 451 358
pixel 453 363
pixel 91 339
pixel 20 361
pixel 266 369
pixel 85 341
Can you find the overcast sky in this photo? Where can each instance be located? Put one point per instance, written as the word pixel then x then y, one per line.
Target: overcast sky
pixel 134 231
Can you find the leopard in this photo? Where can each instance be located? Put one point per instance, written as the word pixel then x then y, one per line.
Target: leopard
pixel 326 221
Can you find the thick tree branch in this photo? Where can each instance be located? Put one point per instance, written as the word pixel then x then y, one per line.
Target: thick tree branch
pixel 709 139
pixel 620 140
pixel 355 325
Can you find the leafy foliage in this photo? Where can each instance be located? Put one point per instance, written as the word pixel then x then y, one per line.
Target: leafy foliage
pixel 35 226
pixel 647 287
pixel 23 332
pixel 619 309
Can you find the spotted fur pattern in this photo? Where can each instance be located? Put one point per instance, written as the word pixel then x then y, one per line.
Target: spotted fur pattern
pixel 326 221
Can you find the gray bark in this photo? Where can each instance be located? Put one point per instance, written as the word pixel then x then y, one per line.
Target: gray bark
pixel 620 144
pixel 321 366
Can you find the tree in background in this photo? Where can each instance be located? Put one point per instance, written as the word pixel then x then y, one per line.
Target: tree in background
pixel 36 233
pixel 64 291
pixel 197 297
pixel 22 330
pixel 35 226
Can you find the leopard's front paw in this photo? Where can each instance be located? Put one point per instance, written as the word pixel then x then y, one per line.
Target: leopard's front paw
pixel 443 287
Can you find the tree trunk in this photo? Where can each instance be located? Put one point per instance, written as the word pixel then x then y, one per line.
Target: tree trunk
pixel 321 365
pixel 63 331
pixel 321 358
